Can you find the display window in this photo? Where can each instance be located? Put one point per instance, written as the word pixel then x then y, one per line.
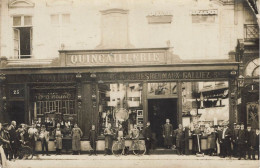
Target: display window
pixel 53 106
pixel 205 103
pixel 120 103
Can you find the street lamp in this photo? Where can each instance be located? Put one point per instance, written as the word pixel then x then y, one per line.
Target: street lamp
pixel 241 80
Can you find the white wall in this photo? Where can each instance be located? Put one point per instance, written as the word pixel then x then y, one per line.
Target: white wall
pixel 189 40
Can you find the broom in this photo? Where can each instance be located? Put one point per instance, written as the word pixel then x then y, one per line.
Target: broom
pixel 199 154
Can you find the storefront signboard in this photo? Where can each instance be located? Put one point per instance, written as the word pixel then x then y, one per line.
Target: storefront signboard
pixel 119 58
pixel 182 75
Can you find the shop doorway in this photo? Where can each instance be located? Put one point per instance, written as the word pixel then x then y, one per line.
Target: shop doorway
pixel 17 112
pixel 158 111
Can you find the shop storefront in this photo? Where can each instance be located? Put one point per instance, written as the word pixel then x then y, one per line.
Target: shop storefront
pixel 130 86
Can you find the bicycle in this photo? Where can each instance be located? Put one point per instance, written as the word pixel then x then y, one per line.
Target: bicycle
pixel 137 147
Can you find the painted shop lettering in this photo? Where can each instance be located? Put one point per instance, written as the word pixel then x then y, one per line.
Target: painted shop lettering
pixel 114 58
pixel 161 75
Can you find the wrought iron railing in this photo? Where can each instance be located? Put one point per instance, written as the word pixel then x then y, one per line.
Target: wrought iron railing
pixel 251 32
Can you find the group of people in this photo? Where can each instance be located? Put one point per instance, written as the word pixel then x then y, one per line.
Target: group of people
pixel 222 140
pixel 11 138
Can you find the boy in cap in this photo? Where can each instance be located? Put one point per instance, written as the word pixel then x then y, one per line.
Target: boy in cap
pixel 93 139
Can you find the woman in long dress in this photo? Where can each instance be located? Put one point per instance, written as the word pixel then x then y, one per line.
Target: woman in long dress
pixel 76 133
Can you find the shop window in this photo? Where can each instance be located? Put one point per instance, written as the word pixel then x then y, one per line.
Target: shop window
pixel 205 103
pixel 56 106
pixel 120 103
pixel 22 35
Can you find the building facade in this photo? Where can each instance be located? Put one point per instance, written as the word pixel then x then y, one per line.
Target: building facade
pixel 100 62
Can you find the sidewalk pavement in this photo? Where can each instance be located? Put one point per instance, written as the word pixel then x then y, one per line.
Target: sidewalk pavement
pixel 132 157
pixel 131 161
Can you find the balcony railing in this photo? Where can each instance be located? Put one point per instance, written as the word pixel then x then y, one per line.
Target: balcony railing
pixel 251 32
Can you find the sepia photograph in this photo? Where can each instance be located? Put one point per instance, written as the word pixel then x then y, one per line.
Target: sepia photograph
pixel 129 83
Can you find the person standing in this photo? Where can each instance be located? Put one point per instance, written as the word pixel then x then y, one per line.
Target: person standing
pixel 14 142
pixel 147 133
pixel 66 140
pixel 6 145
pixel 225 138
pixel 219 141
pixel 93 138
pixel 235 138
pixel 196 142
pixel 180 139
pixel 250 141
pixel 3 140
pixel 108 132
pixel 167 134
pixel 255 144
pixel 186 140
pixel 58 139
pixel 44 136
pixel 211 140
pixel 33 134
pixel 242 142
pixel 76 133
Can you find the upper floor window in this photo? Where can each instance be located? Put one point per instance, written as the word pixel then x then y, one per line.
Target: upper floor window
pixel 60 19
pixel 22 36
pixel 252 68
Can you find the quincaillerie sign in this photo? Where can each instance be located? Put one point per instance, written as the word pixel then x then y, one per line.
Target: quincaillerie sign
pixel 116 58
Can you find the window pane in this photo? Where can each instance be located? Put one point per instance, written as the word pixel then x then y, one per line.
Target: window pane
pixel 55 19
pixel 27 20
pixel 65 19
pixel 120 103
pixel 205 103
pixel 17 21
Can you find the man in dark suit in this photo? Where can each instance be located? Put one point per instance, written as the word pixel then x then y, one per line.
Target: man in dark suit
pixel 256 144
pixel 226 141
pixel 242 141
pixel 235 138
pixel 251 135
pixel 167 134
pixel 147 133
pixel 219 133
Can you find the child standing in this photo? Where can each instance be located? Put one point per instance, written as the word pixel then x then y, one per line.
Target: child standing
pixel 93 139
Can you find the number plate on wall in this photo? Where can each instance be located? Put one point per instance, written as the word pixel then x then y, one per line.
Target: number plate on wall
pixel 16 91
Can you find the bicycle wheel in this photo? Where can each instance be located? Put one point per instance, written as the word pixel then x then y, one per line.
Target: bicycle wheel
pixel 139 149
pixel 117 149
pixel 27 152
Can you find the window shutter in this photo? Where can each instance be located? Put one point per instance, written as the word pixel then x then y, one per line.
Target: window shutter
pixel 16 43
pixel 31 41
